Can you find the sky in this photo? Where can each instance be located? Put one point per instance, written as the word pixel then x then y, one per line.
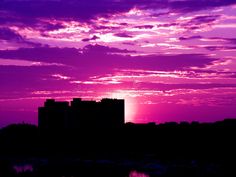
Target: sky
pixel 171 60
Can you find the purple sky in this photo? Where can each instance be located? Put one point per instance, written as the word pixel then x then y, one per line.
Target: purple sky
pixel 172 60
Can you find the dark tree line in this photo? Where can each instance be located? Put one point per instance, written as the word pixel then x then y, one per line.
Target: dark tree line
pixel 170 142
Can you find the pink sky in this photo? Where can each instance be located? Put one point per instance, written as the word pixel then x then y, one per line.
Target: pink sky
pixel 170 60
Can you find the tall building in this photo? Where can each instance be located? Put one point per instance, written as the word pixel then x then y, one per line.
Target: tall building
pixel 53 115
pixel 107 113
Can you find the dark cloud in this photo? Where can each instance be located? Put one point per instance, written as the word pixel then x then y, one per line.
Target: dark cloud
pixel 51 27
pixel 190 38
pixel 129 43
pixel 9 35
pixel 198 21
pixel 144 26
pixel 79 10
pixel 42 54
pixel 203 19
pixel 194 23
pixel 231 40
pixel 167 24
pixel 103 27
pixel 84 10
pixel 97 57
pixel 104 49
pixel 123 35
pixel 217 39
pixel 159 14
pixel 123 24
pixel 195 5
pixel 172 62
pixel 219 48
pixel 228 40
pixel 90 39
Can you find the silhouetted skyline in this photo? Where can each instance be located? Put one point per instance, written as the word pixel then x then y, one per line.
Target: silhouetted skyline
pixel 79 114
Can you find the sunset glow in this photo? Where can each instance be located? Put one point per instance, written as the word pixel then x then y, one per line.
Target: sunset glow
pixel 170 60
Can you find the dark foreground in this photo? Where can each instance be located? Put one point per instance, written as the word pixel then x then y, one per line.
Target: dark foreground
pixel 134 150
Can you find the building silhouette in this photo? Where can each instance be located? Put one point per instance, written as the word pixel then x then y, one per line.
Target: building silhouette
pixel 80 114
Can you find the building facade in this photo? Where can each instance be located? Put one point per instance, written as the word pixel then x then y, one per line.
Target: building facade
pixel 80 114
